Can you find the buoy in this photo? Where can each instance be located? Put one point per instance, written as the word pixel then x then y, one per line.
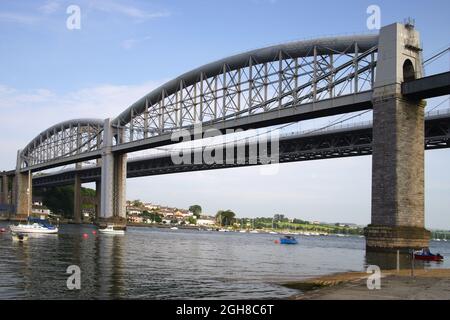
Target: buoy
pixel 94 232
pixel 2 230
pixel 85 235
pixel 276 241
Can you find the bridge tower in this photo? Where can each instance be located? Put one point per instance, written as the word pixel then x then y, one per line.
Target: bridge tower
pixel 4 189
pixel 22 190
pixel 113 180
pixel 77 199
pixel 398 146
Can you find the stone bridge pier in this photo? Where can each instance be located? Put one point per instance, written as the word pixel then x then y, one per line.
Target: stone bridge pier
pixel 113 180
pixel 398 146
pixel 77 199
pixel 4 189
pixel 22 191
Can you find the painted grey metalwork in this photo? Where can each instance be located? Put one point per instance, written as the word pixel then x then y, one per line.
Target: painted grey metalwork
pixel 254 82
pixel 257 82
pixel 335 142
pixel 64 140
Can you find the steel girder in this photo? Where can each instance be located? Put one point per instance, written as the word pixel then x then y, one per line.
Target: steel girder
pixel 336 143
pixel 63 140
pixel 255 82
pixel 259 81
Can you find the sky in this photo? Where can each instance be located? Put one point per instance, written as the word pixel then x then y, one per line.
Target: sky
pixel 124 49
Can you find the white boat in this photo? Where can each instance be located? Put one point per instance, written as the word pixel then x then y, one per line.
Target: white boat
pixel 33 228
pixel 254 231
pixel 110 230
pixel 174 228
pixel 33 225
pixel 273 232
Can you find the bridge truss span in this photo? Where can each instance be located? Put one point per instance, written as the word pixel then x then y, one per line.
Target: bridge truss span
pixel 65 140
pixel 255 82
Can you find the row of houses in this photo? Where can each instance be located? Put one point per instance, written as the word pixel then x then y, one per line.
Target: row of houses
pixel 169 215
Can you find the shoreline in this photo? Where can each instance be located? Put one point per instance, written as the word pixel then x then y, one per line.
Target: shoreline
pixel 425 285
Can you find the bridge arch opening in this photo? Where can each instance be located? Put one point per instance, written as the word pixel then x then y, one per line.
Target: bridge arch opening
pixel 409 73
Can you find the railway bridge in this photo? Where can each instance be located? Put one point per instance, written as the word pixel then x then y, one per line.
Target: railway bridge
pixel 286 83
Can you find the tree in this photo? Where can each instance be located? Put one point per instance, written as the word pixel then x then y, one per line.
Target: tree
pixel 58 199
pixel 152 216
pixel 137 203
pixel 225 217
pixel 196 210
pixel 192 220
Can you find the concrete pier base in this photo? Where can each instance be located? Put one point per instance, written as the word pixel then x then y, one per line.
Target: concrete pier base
pixel 118 222
pixel 391 239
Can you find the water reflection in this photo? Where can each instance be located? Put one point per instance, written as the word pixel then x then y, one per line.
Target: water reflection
pixel 388 261
pixel 151 263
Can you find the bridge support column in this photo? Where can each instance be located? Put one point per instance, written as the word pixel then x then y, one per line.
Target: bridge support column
pixel 22 190
pixel 23 195
pixel 113 182
pixel 77 203
pixel 98 198
pixel 4 189
pixel 398 151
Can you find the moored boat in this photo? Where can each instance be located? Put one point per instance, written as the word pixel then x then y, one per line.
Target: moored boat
pixel 34 225
pixel 110 230
pixel 426 255
pixel 288 240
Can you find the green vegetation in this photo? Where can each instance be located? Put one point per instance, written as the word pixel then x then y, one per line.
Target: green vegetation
pixel 192 220
pixel 279 222
pixel 225 217
pixel 152 215
pixel 60 199
pixel 440 234
pixel 196 210
pixel 137 203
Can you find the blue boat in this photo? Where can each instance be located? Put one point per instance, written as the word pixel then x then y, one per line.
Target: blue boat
pixel 288 240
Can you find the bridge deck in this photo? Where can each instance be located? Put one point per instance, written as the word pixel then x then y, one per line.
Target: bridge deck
pixel 337 143
pixel 427 87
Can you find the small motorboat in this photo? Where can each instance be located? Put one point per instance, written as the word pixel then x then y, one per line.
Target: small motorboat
pixel 174 228
pixel 426 255
pixel 34 225
pixel 19 236
pixel 288 240
pixel 110 230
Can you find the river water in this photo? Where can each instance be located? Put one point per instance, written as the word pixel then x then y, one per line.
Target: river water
pixel 151 263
